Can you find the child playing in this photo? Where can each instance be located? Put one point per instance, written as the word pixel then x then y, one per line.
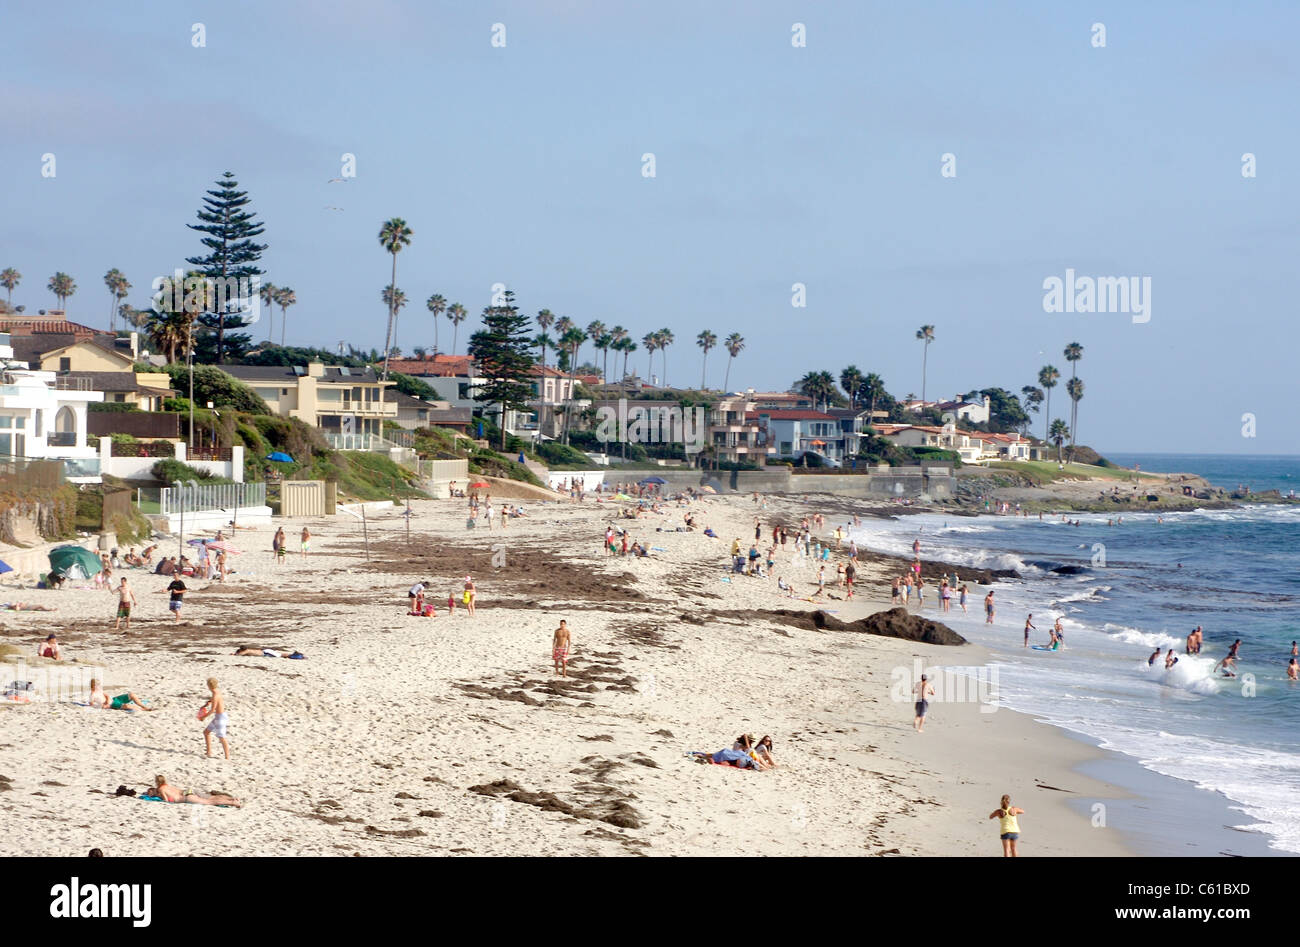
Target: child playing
pixel 216 706
pixel 125 599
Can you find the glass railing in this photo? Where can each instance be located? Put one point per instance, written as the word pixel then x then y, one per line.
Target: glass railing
pixel 81 467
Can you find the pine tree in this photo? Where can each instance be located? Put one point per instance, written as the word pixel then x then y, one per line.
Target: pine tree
pixel 503 351
pixel 229 231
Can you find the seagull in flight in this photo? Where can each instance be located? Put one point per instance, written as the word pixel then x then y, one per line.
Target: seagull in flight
pixel 330 207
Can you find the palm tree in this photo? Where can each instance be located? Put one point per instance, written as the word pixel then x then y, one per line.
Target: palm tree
pixel 734 343
pixel 284 298
pixel 1048 376
pixel 457 314
pixel 437 305
pixel 169 331
pixel 705 340
pixel 393 236
pixel 595 330
pixel 1057 434
pixel 543 342
pixel 651 342
pixel 820 386
pixel 571 341
pixel 267 293
pixel 1073 352
pixel 394 301
pixel 851 381
pixel 62 286
pixel 873 387
pixel 663 339
pixel 603 343
pixel 616 337
pixel 627 347
pixel 9 279
pixel 926 334
pixel 1074 388
pixel 117 289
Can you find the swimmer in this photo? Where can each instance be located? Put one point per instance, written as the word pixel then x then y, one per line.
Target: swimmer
pixel 1171 659
pixel 1155 655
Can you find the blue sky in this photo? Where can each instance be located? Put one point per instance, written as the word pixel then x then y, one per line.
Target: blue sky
pixel 775 165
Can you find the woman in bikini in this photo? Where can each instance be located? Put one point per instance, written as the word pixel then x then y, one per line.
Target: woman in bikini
pixel 169 793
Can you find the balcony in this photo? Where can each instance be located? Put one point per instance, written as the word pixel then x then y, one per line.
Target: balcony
pixel 81 469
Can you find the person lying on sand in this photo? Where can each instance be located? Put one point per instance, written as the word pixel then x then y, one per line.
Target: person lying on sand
pixel 50 649
pixel 25 607
pixel 101 701
pixel 248 651
pixel 169 793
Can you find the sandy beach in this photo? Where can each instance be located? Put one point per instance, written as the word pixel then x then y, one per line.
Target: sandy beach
pixel 405 735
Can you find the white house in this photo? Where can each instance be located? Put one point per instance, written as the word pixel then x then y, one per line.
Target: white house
pixel 43 417
pixel 794 433
pixel 972 412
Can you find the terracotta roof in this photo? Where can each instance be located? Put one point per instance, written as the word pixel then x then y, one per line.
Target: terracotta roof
pixel 444 366
pixel 785 414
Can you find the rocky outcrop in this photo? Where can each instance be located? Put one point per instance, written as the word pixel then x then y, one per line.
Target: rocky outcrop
pixel 894 623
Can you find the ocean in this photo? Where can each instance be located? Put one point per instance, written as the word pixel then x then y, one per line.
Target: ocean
pixel 1137 586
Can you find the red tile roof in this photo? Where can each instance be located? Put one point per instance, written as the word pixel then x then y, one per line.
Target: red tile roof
pixel 439 365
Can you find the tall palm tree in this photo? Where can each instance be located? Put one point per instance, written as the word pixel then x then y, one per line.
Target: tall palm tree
pixel 851 381
pixel 820 386
pixel 117 289
pixel 627 347
pixel 1073 352
pixel 571 341
pixel 456 314
pixel 62 286
pixel 651 342
pixel 1057 434
pixel 595 329
pixel 734 343
pixel 663 339
pixel 1048 376
pixel 9 279
pixel 394 301
pixel 603 343
pixel 169 331
pixel 284 298
pixel 925 334
pixel 393 236
pixel 437 306
pixel 1074 388
pixel 705 340
pixel 267 293
pixel 616 337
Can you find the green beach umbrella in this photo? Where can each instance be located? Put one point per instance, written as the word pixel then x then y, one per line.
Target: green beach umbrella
pixel 76 562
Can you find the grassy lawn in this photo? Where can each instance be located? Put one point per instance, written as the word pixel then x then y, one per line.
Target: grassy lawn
pixel 1045 471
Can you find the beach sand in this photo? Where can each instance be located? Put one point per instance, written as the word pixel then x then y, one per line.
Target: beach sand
pixel 405 735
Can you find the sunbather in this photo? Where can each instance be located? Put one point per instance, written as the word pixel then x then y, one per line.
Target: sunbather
pixel 100 700
pixel 169 793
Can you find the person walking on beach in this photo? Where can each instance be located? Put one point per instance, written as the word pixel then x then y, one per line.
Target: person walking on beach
pixel 306 541
pixel 176 602
pixel 1029 626
pixel 962 599
pixel 895 591
pixel 924 691
pixel 125 599
pixel 850 571
pixel 1008 826
pixel 560 649
pixel 989 610
pixel 216 706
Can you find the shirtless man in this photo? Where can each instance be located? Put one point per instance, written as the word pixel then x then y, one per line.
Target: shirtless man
pixel 216 705
pixel 1059 631
pixel 560 649
pixel 1155 656
pixel 1029 626
pixel 924 690
pixel 169 793
pixel 100 700
pixel 1293 670
pixel 1226 665
pixel 989 609
pixel 125 599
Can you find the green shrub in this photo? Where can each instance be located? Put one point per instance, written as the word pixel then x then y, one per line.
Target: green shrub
pixel 111 407
pixel 212 384
pixel 169 470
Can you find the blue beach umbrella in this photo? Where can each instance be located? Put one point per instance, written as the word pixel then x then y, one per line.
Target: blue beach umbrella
pixel 5 567
pixel 654 480
pixel 280 457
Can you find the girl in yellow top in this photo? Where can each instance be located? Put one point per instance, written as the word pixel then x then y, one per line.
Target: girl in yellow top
pixel 1010 828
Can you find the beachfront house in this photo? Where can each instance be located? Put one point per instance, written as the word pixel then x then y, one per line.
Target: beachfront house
pixel 40 419
pixel 972 412
pixel 794 433
pixel 972 447
pixel 735 434
pixel 349 405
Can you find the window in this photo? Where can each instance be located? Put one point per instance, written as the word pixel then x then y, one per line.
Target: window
pixel 65 364
pixel 119 398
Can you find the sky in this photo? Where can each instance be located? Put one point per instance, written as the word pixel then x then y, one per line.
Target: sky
pixel 775 165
